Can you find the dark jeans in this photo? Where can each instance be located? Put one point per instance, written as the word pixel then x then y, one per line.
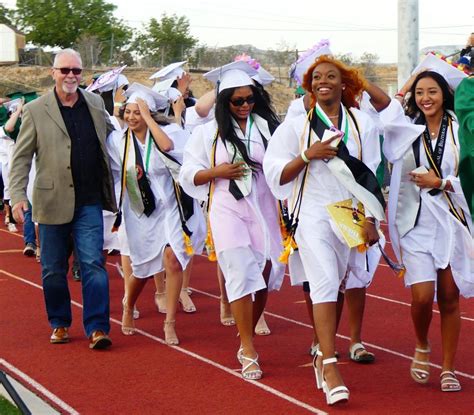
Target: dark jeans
pixel 29 235
pixel 86 228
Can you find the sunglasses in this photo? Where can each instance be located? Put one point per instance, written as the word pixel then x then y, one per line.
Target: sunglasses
pixel 238 102
pixel 65 71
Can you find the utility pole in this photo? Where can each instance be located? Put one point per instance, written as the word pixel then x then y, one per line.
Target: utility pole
pixel 408 39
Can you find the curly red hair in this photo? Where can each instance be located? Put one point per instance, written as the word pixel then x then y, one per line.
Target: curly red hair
pixel 354 81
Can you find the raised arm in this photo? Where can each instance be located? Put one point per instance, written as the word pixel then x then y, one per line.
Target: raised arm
pixel 378 98
pixel 205 103
pixel 161 138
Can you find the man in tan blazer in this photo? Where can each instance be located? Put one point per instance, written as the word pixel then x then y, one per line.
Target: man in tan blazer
pixel 65 130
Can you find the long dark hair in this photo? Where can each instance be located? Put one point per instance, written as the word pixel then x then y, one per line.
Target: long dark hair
pixel 226 128
pixel 412 110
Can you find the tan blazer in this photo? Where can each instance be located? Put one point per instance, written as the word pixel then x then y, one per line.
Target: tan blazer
pixel 43 135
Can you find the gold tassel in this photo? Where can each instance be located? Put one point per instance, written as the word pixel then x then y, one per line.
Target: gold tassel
pixel 289 246
pixel 209 243
pixel 361 248
pixel 401 273
pixel 188 244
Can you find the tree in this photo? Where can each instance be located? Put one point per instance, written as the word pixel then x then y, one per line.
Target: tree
pixel 368 61
pixel 167 40
pixel 62 22
pixel 5 14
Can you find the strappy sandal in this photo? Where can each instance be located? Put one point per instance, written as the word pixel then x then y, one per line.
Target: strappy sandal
pixel 338 394
pixel 170 334
pixel 186 302
pixel 449 382
pixel 420 375
pixel 318 373
pixel 240 353
pixel 261 329
pixel 359 354
pixel 227 319
pixel 127 330
pixel 254 374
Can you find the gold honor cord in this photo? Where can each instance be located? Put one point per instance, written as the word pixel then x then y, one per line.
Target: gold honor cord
pixel 289 243
pixel 209 243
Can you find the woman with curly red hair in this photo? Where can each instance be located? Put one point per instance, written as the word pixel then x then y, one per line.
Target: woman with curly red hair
pixel 316 160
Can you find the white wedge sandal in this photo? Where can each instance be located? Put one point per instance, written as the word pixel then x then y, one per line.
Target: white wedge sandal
pixel 336 394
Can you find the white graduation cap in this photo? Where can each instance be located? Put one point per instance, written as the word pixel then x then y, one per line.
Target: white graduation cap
pixel 154 100
pixel 172 71
pixel 108 81
pixel 452 74
pixel 232 75
pixel 306 59
pixel 263 77
pixel 165 88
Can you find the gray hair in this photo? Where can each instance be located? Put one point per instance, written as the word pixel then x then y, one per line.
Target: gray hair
pixel 67 51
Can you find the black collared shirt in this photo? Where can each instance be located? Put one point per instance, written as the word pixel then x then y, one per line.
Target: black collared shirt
pixel 85 152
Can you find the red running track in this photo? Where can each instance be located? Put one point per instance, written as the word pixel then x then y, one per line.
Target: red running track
pixel 142 375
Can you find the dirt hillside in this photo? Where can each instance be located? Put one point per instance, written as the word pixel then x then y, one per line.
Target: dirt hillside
pixel 14 78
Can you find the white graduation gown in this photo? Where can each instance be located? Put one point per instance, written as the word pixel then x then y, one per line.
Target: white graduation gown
pixel 246 232
pixel 149 236
pixel 438 239
pixel 322 258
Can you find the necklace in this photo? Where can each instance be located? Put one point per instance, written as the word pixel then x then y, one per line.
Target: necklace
pixel 333 116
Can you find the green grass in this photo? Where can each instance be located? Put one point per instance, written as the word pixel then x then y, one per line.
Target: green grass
pixel 6 408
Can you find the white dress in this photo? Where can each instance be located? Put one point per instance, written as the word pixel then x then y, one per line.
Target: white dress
pixel 322 257
pixel 149 236
pixel 246 232
pixel 438 239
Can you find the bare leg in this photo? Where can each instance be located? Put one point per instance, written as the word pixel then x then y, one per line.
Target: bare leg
pixel 421 314
pixel 160 294
pixel 134 288
pixel 309 308
pixel 242 309
pixel 448 303
pixel 325 318
pixel 184 298
pixel 174 281
pixel 261 299
pixel 226 313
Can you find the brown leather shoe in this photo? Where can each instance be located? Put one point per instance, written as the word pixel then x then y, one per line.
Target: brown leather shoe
pixel 59 336
pixel 99 340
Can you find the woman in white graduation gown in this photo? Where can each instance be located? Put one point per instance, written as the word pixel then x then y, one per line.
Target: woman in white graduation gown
pixel 224 158
pixel 301 168
pixel 429 220
pixel 159 236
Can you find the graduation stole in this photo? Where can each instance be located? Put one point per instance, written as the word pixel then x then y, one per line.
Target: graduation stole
pixel 318 122
pixel 134 179
pixel 241 188
pixel 435 158
pixel 362 174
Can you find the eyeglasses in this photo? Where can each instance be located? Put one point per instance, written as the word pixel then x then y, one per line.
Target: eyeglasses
pixel 65 71
pixel 238 102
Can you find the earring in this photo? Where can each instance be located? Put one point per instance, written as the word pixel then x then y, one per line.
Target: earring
pixel 343 88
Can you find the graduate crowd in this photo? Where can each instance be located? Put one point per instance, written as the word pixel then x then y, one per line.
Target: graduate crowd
pixel 159 176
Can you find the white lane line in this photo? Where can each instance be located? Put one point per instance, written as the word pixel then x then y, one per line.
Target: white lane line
pixel 389 300
pixel 300 323
pixel 203 359
pixel 38 387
